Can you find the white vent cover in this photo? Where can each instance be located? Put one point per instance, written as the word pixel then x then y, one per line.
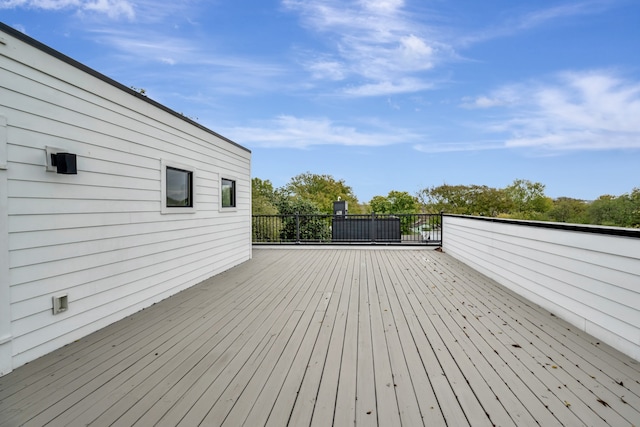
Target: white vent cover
pixel 60 303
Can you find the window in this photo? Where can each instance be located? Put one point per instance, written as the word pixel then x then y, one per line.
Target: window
pixel 179 193
pixel 177 188
pixel 228 187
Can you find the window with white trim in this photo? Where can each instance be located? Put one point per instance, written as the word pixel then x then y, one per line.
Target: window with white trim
pixel 178 188
pixel 228 193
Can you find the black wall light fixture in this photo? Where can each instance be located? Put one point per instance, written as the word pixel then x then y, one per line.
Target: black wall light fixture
pixel 65 163
pixel 59 160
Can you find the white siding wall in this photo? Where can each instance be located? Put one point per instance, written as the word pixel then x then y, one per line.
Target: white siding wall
pixel 591 280
pixel 6 353
pixel 99 236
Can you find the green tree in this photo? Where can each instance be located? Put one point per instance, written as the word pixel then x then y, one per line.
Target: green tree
pixel 489 201
pixel 263 197
pixel 620 211
pixel 634 200
pixel 397 203
pixel 628 209
pixel 322 190
pixel 566 209
pixel 602 210
pixel 528 199
pixel 525 199
pixel 312 225
pixel 465 200
pixel 263 202
pixel 445 198
pixel 380 204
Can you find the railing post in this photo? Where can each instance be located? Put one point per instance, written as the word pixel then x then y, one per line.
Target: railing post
pixel 297 228
pixel 441 228
pixel 372 230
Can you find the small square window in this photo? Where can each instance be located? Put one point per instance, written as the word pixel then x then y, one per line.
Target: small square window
pixel 228 193
pixel 179 188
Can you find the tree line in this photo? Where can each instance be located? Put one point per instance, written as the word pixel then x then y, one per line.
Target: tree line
pixel 309 194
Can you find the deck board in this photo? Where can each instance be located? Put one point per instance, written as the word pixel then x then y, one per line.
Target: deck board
pixel 396 328
pixel 571 366
pixel 332 336
pixel 495 366
pixel 324 406
pixel 345 406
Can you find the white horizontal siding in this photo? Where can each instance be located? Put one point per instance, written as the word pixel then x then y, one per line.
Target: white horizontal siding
pixel 100 236
pixel 115 275
pixel 82 119
pixel 6 334
pixel 591 280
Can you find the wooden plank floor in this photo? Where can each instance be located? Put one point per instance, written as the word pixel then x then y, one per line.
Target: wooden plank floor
pixel 332 336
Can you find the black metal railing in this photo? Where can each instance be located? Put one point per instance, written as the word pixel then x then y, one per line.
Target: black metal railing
pixel 400 229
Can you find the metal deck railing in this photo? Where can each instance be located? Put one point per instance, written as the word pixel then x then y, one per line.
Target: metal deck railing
pixel 387 229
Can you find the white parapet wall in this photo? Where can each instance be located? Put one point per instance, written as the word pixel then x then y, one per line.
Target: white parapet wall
pixel 586 275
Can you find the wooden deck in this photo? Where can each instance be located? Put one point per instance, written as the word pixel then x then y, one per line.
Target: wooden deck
pixel 332 336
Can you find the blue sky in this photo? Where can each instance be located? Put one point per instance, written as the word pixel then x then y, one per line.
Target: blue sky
pixel 383 94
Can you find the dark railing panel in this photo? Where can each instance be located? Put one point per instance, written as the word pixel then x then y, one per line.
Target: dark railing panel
pixel 417 229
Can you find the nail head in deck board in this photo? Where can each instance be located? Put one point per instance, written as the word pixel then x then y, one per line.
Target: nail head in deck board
pixel 331 336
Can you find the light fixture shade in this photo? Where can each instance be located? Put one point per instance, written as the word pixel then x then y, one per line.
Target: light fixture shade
pixel 65 163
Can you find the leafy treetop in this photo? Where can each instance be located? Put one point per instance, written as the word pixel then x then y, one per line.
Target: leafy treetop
pixel 322 190
pixel 314 194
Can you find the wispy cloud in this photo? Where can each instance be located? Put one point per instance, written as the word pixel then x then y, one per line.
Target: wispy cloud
pixel 593 110
pixel 147 44
pixel 162 47
pixel 519 21
pixel 404 85
pixel 452 147
pixel 148 50
pixel 375 46
pixel 287 131
pixel 139 11
pixel 112 8
pixel 543 16
pixel 502 97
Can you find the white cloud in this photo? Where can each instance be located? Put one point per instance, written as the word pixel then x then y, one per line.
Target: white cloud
pixel 502 97
pixel 542 16
pixel 228 73
pixel 481 102
pixel 294 132
pixel 382 6
pixel 452 147
pixel 169 61
pixel 377 41
pixel 112 8
pixel 416 51
pixel 145 46
pixel 405 85
pixel 326 69
pixel 595 110
pixel 39 4
pixel 518 22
